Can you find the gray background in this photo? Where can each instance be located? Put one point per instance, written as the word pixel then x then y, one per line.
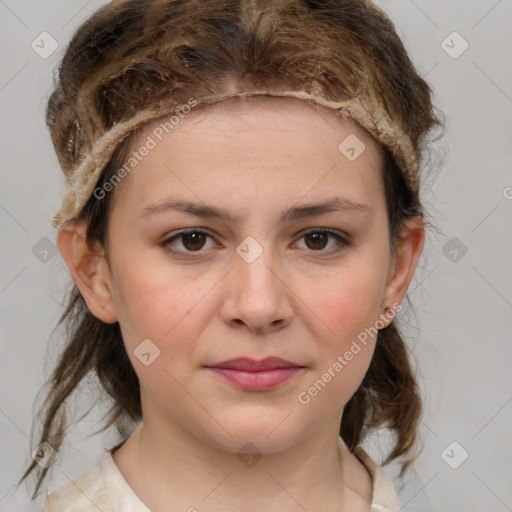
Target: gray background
pixel 461 334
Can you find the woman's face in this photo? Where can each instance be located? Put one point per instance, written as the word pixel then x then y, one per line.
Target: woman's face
pixel 259 279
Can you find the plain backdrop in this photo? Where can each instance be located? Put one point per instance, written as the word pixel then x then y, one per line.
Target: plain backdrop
pixel 461 336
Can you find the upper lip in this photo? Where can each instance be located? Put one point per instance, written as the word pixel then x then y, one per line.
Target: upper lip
pixel 252 365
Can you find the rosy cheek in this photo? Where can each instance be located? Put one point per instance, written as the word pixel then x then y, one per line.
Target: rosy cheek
pixel 347 312
pixel 336 315
pixel 339 306
pixel 144 311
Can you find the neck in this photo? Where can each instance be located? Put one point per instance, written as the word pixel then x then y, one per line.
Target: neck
pixel 165 467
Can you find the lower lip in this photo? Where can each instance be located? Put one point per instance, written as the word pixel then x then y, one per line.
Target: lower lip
pixel 266 379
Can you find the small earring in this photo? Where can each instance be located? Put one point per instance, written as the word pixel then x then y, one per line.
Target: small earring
pixel 386 311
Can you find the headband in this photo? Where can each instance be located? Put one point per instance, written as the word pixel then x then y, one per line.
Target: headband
pixel 368 112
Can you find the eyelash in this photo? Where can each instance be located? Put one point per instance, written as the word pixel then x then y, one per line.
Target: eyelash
pixel 343 242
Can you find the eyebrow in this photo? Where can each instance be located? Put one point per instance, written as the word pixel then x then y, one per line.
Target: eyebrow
pixel 336 204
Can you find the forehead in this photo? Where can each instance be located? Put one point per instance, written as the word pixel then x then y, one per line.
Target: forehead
pixel 287 143
pixel 287 113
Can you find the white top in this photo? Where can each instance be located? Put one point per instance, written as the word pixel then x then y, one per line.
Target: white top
pixel 104 488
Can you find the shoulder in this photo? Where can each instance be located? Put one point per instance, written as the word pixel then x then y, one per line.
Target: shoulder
pixel 85 493
pixel 384 497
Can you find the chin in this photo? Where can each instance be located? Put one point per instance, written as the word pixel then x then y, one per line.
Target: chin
pixel 268 434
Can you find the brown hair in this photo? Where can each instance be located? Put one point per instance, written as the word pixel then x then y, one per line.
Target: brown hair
pixel 132 54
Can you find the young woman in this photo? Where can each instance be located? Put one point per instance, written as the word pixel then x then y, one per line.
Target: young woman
pixel 241 223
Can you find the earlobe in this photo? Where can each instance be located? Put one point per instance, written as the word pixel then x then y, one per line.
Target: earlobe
pixel 408 252
pixel 88 268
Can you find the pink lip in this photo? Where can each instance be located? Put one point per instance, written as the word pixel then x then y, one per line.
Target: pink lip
pixel 250 374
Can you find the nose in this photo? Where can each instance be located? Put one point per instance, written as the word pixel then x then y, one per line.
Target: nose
pixel 257 296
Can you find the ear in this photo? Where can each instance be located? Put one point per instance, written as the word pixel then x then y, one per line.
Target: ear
pixel 88 268
pixel 403 264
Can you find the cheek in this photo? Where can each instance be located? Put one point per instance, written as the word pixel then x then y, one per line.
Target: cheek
pixel 156 306
pixel 169 309
pixel 349 303
pixel 348 307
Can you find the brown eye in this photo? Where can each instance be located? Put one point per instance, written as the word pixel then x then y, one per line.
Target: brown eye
pixel 192 240
pixel 318 239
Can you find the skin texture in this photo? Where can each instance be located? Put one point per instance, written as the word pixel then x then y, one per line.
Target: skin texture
pixel 294 301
